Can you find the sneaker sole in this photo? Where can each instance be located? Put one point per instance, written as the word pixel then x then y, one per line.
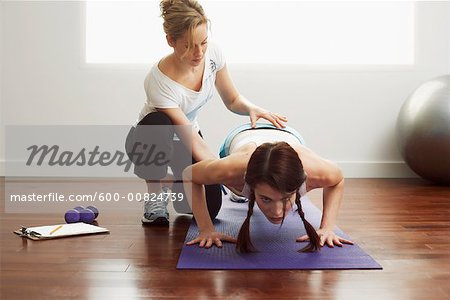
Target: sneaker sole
pixel 157 222
pixel 239 200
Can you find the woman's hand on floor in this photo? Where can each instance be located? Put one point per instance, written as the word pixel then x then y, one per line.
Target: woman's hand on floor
pixel 327 237
pixel 208 238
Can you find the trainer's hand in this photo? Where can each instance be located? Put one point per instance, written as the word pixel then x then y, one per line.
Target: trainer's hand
pixel 257 112
pixel 208 238
pixel 327 237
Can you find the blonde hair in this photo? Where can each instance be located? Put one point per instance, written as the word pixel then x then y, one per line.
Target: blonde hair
pixel 181 16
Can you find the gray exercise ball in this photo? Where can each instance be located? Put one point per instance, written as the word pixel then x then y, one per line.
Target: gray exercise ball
pixel 423 130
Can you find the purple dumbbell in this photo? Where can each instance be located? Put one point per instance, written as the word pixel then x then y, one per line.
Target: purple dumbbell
pixel 79 208
pixel 94 210
pixel 72 216
pixel 87 216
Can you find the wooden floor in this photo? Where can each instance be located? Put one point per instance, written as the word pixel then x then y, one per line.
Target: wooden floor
pixel 403 223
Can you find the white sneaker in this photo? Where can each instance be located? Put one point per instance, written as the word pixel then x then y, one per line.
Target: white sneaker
pixel 237 198
pixel 155 212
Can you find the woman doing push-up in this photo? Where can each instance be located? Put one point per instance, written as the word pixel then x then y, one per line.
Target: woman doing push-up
pixel 272 167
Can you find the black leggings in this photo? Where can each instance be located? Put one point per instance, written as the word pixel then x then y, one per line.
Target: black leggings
pixel 173 150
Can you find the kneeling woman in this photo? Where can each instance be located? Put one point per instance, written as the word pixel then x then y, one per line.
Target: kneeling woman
pixel 271 167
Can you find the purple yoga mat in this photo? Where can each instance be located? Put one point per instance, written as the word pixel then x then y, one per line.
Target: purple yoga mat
pixel 276 245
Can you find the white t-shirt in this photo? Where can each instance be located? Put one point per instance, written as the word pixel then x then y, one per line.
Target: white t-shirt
pixel 163 92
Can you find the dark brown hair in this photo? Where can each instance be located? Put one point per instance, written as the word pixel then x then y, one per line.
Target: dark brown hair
pixel 277 165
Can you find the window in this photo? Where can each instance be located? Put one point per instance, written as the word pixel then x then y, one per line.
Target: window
pixel 262 32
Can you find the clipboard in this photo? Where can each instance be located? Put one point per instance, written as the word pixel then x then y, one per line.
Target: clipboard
pixel 59 230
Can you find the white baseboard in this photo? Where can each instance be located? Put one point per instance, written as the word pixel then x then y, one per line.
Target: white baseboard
pixel 352 169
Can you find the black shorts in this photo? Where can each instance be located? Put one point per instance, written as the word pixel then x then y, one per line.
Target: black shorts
pixel 174 152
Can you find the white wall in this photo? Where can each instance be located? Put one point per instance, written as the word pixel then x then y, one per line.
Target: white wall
pixel 345 115
pixel 2 135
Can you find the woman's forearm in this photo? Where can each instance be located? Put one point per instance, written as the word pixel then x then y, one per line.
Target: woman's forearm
pixel 194 142
pixel 332 198
pixel 196 197
pixel 201 150
pixel 200 209
pixel 240 105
